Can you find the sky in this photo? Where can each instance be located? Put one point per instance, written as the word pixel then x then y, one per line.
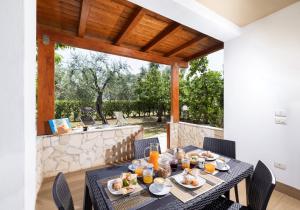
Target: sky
pixel 215 59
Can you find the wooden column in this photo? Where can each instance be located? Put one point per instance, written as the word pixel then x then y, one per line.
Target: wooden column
pixel 45 85
pixel 175 93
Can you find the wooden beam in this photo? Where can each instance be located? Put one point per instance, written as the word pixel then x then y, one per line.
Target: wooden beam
pixel 83 17
pixel 175 93
pixel 133 21
pixel 168 31
pixel 45 90
pixel 202 53
pixel 98 45
pixel 184 46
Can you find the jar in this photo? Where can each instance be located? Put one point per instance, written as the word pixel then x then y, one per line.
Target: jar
pixel 164 168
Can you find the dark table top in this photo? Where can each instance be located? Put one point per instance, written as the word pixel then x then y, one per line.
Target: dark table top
pixel 239 171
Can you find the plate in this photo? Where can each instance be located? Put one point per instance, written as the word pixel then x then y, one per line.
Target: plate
pixel 117 192
pixel 179 177
pixel 131 167
pixel 111 190
pixel 155 191
pixel 215 156
pixel 225 168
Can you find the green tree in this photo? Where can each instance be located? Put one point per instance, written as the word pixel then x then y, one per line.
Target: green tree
pixel 97 72
pixel 153 89
pixel 204 93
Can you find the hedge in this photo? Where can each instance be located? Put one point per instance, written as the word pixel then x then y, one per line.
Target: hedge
pixel 71 108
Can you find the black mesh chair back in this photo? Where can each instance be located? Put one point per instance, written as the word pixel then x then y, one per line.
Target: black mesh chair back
pixel 87 120
pixel 261 187
pixel 141 145
pixel 61 193
pixel 220 146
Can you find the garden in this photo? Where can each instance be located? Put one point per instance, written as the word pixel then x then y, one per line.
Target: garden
pixel 94 80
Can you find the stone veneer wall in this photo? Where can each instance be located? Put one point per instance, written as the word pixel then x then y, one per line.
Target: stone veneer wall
pixel 193 134
pixel 76 151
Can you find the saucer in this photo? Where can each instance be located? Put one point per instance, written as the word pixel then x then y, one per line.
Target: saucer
pixel 131 167
pixel 155 191
pixel 225 168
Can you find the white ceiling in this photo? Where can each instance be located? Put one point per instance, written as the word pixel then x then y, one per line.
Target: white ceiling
pixel 243 12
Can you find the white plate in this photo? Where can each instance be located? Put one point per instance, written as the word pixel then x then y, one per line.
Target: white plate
pixel 215 156
pixel 131 167
pixel 225 168
pixel 110 188
pixel 179 177
pixel 155 191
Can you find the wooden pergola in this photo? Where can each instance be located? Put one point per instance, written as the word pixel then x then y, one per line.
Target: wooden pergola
pixel 117 27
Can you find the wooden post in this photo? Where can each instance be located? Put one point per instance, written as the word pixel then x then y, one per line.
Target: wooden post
pixel 45 85
pixel 175 93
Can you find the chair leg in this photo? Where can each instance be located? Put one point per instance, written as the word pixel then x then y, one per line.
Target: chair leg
pixel 236 191
pixel 227 195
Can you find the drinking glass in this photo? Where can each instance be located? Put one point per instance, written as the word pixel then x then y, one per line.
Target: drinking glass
pixel 185 163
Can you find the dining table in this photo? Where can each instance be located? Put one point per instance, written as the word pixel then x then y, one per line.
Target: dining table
pixel 95 197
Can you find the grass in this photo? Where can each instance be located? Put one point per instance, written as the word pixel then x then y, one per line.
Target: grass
pixel 150 124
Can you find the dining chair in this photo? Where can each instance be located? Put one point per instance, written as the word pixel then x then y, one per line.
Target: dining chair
pixel 261 187
pixel 225 148
pixel 61 193
pixel 141 145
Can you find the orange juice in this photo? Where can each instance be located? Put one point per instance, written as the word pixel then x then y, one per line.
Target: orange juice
pixel 153 158
pixel 139 171
pixel 148 179
pixel 185 163
pixel 210 168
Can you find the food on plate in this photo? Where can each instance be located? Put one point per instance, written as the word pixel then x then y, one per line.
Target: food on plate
pixel 194 172
pixel 117 184
pixel 126 190
pixel 207 154
pixel 129 179
pixel 190 180
pixel 195 182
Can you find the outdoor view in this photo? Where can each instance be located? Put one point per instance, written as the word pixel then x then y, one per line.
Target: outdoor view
pixel 140 90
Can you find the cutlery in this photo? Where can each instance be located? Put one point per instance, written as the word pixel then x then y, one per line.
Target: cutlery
pixel 192 193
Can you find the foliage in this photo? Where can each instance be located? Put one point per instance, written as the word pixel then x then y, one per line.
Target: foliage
pixel 203 94
pixel 95 81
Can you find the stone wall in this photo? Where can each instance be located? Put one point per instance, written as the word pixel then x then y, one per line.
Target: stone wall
pixel 193 134
pixel 76 151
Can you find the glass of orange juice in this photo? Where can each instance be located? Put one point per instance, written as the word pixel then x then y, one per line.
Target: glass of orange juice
pixel 139 170
pixel 185 163
pixel 153 155
pixel 148 176
pixel 210 168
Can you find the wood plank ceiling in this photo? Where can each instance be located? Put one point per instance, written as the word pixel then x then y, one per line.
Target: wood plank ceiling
pixel 123 28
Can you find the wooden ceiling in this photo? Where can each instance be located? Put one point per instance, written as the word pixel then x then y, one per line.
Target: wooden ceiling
pixel 123 28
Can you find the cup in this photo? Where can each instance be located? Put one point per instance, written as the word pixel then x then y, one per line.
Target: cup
pixel 159 183
pixel 220 164
pixel 209 168
pixel 201 162
pixel 185 163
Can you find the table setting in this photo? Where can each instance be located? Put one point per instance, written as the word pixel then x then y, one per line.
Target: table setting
pixel 185 175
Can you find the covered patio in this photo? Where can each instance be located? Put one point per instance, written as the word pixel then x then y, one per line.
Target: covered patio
pixel 260 160
pixel 121 28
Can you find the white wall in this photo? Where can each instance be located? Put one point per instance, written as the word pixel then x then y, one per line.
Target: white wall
pixel 262 74
pixel 17 104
